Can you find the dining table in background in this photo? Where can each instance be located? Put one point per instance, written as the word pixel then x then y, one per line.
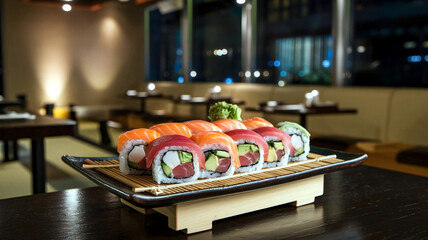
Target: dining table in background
pixel 36 129
pixel 21 103
pixel 302 111
pixel 143 96
pixel 207 101
pixel 358 203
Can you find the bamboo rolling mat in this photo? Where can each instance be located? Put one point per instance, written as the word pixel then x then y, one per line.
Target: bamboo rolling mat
pixel 145 183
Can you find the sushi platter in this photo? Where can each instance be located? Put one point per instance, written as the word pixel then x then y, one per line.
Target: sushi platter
pixel 197 172
pixel 298 185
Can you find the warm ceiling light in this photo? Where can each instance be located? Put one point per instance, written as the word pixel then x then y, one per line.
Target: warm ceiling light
pixel 66 7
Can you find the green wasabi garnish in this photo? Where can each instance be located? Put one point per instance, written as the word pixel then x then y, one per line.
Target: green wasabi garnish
pixel 222 110
pixel 284 125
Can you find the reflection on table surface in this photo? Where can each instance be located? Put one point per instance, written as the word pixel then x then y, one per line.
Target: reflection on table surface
pixel 358 203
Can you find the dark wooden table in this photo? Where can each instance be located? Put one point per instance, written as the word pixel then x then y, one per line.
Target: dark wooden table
pixel 142 96
pixel 37 130
pixel 358 203
pixel 302 111
pixel 10 103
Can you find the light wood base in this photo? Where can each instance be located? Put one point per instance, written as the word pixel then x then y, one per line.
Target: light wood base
pixel 198 215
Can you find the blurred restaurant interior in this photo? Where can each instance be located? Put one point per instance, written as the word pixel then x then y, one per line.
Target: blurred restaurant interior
pixel 354 73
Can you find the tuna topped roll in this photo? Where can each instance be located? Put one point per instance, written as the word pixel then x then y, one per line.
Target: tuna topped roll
pixel 300 137
pixel 279 146
pixel 252 149
pixel 221 154
pixel 132 150
pixel 174 159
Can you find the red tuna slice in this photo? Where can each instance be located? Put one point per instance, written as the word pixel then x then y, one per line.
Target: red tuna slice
pixel 276 133
pixel 279 154
pixel 249 158
pixel 239 134
pixel 223 165
pixel 183 170
pixel 173 140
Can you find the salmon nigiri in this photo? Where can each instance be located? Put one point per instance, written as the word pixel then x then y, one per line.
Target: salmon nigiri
pixel 172 128
pixel 229 124
pixel 221 154
pixel 197 126
pixel 256 122
pixel 132 149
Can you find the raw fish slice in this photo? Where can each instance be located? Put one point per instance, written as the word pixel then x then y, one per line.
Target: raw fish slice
pixel 197 126
pixel 223 165
pixel 249 158
pixel 147 135
pixel 229 124
pixel 172 128
pixel 256 122
pixel 183 170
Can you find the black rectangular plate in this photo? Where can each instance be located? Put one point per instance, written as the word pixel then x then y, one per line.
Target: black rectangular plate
pixel 148 200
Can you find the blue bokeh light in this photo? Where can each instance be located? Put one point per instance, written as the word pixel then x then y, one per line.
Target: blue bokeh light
pixel 283 74
pixel 180 79
pixel 276 63
pixel 301 73
pixel 330 54
pixel 414 58
pixel 228 80
pixel 326 63
pixel 426 58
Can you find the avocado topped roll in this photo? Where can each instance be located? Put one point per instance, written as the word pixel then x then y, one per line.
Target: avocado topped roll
pixel 278 143
pixel 252 149
pixel 299 140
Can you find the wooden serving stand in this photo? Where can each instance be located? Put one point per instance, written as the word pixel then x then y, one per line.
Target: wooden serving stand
pixel 197 215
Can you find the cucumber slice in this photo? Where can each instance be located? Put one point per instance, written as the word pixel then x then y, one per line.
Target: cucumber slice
pixel 220 153
pixel 167 170
pixel 184 156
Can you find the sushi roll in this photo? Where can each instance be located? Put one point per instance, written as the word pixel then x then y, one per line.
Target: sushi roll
pixel 256 122
pixel 172 128
pixel 174 159
pixel 221 154
pixel 229 124
pixel 279 146
pixel 252 149
pixel 132 150
pixel 300 137
pixel 197 126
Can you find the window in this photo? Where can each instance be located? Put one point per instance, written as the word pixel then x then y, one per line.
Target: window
pixel 216 41
pixel 294 42
pixel 165 51
pixel 390 44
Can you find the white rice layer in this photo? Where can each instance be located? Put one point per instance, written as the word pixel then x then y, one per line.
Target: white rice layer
pixel 158 173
